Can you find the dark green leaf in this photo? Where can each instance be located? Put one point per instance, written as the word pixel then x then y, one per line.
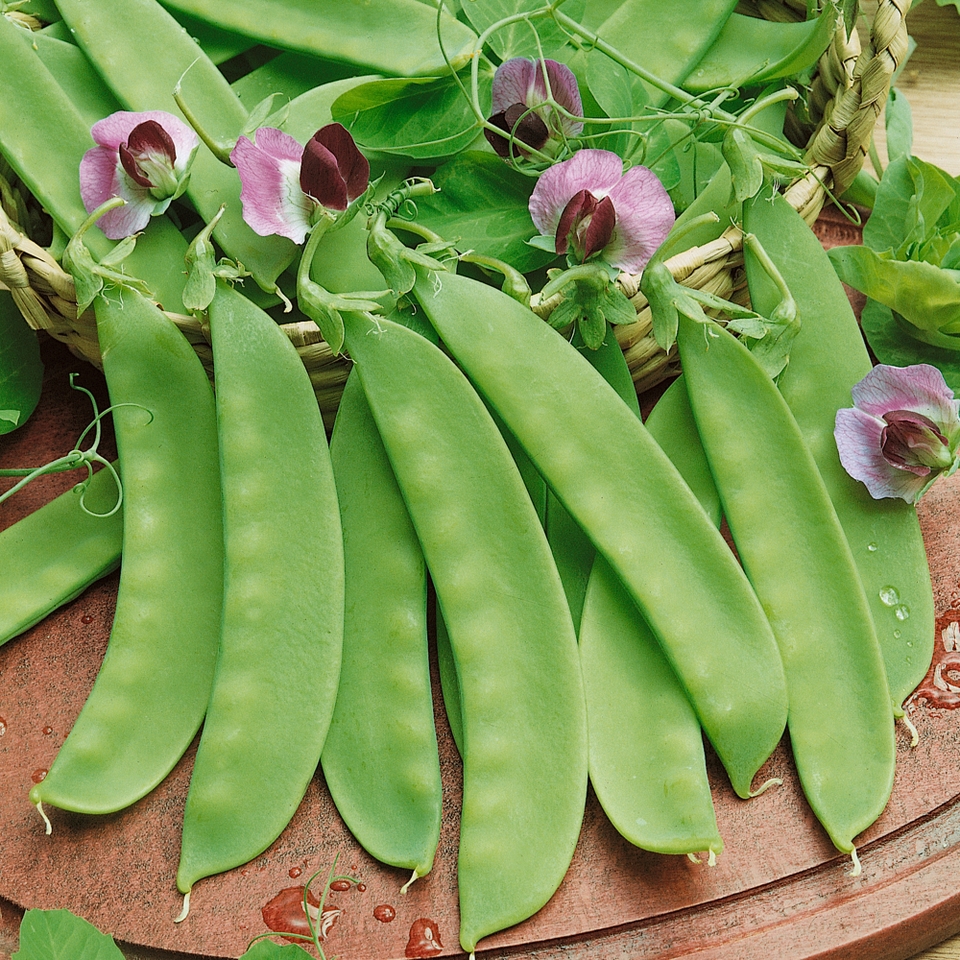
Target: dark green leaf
pixel 481 205
pixel 268 950
pixel 422 119
pixel 898 121
pixel 61 935
pixel 21 370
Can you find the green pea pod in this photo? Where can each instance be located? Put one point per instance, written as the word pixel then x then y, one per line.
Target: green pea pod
pixel 827 358
pixel 36 112
pixel 647 762
pixel 395 37
pixel 53 554
pixel 795 553
pixel 524 722
pixel 282 632
pixel 380 757
pixel 151 692
pixel 143 54
pixel 623 491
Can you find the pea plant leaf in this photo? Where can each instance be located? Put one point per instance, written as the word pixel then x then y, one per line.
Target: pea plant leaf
pixel 481 205
pixel 268 950
pixel 520 39
pixel 898 125
pixel 421 119
pixel 61 935
pixel 21 370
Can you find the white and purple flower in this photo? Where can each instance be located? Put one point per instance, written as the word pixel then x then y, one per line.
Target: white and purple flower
pixel 593 209
pixel 285 187
pixel 902 432
pixel 524 107
pixel 144 158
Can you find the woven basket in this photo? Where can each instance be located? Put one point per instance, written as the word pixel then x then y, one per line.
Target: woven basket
pixel 845 100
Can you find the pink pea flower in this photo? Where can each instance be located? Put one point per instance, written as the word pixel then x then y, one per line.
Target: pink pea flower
pixel 902 432
pixel 285 187
pixel 520 105
pixel 592 208
pixel 144 158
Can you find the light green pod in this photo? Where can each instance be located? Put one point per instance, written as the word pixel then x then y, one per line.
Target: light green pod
pixel 53 554
pixel 151 691
pixel 827 358
pixel 380 757
pixel 795 553
pixel 282 630
pixel 623 491
pixel 524 734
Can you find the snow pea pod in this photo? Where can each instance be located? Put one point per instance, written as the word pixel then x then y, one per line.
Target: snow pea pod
pixel 143 54
pixel 53 554
pixel 523 716
pixel 621 488
pixel 282 632
pixel 394 37
pixel 827 358
pixel 380 757
pixel 35 112
pixel 647 763
pixel 794 551
pixel 152 688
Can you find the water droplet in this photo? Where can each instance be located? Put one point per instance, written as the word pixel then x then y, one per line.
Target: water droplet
pixel 47 731
pixel 295 872
pixel 424 940
pixel 901 611
pixel 362 887
pixel 872 547
pixel 384 912
pixel 86 618
pixel 889 596
pixel 38 776
pixel 897 634
pixel 3 726
pixel 340 885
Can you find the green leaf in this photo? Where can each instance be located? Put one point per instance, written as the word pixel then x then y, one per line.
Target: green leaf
pixel 891 345
pixel 520 39
pixel 925 295
pixel 898 121
pixel 422 119
pixel 481 205
pixel 268 950
pixel 750 51
pixel 746 170
pixel 21 370
pixel 61 935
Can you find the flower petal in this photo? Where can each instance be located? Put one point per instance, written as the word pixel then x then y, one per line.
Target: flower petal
pixel 354 166
pixel 858 436
pixel 100 179
pixel 645 216
pixel 513 83
pixel 320 176
pixel 270 193
pixel 116 129
pixel 598 171
pixel 563 86
pixel 527 128
pixel 920 388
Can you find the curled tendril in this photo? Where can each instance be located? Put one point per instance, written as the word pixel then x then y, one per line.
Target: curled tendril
pixel 77 458
pixel 403 198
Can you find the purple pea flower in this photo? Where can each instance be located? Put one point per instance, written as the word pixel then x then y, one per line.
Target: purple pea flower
pixel 285 187
pixel 902 432
pixel 144 158
pixel 592 208
pixel 521 105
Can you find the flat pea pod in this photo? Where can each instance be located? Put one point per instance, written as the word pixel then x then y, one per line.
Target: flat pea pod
pixel 282 632
pixel 380 757
pixel 151 691
pixel 827 358
pixel 623 491
pixel 394 37
pixel 143 54
pixel 794 551
pixel 53 554
pixel 36 111
pixel 647 763
pixel 523 717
